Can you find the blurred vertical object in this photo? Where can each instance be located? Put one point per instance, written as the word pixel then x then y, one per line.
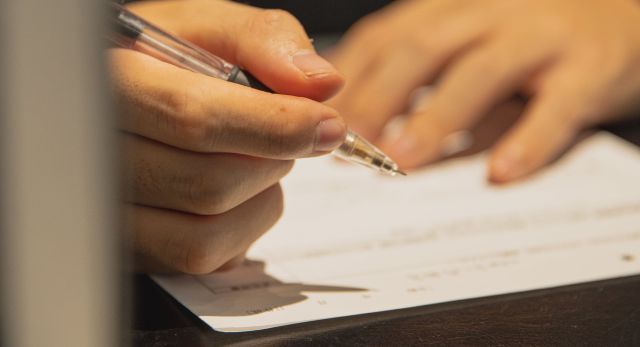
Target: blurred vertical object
pixel 60 279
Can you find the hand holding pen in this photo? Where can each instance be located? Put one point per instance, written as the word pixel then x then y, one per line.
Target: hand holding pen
pixel 203 156
pixel 134 32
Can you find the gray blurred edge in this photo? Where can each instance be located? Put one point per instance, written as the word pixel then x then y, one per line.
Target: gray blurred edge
pixel 61 283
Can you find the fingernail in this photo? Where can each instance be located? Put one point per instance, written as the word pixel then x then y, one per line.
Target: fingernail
pixel 505 167
pixel 456 142
pixel 330 133
pixel 312 65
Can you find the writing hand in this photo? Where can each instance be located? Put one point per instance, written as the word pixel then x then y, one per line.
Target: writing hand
pixel 203 156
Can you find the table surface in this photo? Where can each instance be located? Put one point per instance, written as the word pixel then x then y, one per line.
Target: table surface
pixel 604 313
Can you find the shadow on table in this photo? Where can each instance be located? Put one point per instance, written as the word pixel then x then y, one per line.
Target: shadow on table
pixel 249 290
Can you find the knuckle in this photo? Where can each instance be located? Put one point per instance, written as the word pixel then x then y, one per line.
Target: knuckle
pixel 286 167
pixel 211 193
pixel 275 170
pixel 426 43
pixel 275 202
pixel 201 258
pixel 211 247
pixel 141 179
pixel 277 15
pixel 273 18
pixel 270 168
pixel 209 196
pixel 189 122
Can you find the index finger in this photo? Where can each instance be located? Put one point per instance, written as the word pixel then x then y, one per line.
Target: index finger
pixel 199 113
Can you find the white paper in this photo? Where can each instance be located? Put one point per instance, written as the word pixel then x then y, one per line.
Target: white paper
pixel 352 242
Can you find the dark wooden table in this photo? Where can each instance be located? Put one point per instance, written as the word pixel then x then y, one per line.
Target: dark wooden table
pixel 605 313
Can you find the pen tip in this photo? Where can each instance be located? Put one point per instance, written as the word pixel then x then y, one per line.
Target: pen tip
pixel 401 172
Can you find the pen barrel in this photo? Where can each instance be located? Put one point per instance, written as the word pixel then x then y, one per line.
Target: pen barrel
pixel 136 33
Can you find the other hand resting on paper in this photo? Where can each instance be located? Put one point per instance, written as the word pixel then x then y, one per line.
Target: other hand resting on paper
pixel 578 60
pixel 203 156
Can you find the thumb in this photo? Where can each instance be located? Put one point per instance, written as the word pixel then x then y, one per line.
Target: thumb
pixel 276 49
pixel 271 44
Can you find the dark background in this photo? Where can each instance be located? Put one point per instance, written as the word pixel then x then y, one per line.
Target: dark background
pixel 325 16
pixel 320 17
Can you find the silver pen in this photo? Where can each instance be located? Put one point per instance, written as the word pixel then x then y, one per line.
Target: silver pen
pixel 134 32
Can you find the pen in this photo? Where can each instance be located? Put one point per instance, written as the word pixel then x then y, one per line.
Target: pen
pixel 134 32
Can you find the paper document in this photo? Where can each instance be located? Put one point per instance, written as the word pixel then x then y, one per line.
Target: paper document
pixel 353 242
